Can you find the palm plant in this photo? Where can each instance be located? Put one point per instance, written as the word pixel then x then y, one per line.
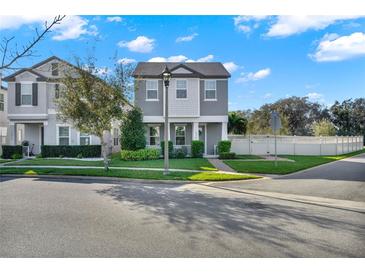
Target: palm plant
pixel 237 123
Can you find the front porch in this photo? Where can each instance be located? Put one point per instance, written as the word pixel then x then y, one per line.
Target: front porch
pixel 182 134
pixel 33 132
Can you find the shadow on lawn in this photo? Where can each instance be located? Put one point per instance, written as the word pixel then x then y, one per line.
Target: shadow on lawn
pixel 252 220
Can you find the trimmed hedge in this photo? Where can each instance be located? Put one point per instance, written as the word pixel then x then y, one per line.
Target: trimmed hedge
pixel 197 149
pixel 171 148
pixel 141 154
pixel 180 153
pixel 227 155
pixel 9 151
pixel 224 146
pixel 87 151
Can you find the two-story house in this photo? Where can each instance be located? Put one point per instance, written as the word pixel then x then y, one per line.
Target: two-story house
pixel 32 111
pixel 197 102
pixel 3 115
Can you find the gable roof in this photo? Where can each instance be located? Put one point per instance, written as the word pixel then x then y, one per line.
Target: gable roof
pixel 200 69
pixel 11 77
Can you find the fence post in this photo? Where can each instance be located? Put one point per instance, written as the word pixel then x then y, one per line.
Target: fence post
pixel 336 144
pixel 249 144
pixel 348 144
pixel 320 145
pixel 294 145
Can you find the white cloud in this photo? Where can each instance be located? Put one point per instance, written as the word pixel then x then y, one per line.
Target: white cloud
pixel 186 38
pixel 338 48
pixel 114 19
pixel 254 76
pixel 267 95
pixel 141 44
pixel 181 59
pixel 246 23
pixel 287 25
pixel 314 96
pixel 71 27
pixel 230 66
pixel 207 58
pixel 126 61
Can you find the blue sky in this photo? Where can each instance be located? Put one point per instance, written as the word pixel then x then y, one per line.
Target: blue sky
pixel 270 57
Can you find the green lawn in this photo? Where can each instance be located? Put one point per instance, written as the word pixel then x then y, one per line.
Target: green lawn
pixel 301 162
pixel 188 163
pixel 136 174
pixel 248 157
pixel 5 160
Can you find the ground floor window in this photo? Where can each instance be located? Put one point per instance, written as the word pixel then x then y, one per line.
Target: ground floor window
pixel 2 102
pixel 64 135
pixel 85 139
pixel 154 135
pixel 116 136
pixel 180 135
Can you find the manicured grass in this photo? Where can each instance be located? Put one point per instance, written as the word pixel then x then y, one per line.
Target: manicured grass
pixel 248 157
pixel 212 176
pixel 301 162
pixel 136 174
pixel 5 160
pixel 187 163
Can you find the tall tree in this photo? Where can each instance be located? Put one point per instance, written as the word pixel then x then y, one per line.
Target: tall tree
pixel 324 128
pixel 237 123
pixel 90 103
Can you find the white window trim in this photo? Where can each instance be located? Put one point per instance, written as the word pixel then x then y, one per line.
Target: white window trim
pixel 31 94
pixel 147 99
pixel 159 135
pixel 78 138
pixel 186 81
pixel 58 136
pixel 205 90
pixel 180 136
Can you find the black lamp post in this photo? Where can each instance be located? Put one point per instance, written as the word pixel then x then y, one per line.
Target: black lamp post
pixel 166 76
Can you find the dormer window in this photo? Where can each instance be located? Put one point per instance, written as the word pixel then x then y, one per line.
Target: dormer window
pixel 210 90
pixel 181 90
pixel 54 69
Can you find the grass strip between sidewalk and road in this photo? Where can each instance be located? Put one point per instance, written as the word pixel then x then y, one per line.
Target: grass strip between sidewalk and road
pixel 285 167
pixel 136 174
pixel 187 163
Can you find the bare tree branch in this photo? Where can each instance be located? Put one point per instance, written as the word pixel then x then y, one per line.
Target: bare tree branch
pixel 26 51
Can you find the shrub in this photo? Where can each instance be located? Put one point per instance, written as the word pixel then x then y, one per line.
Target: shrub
pixel 224 146
pixel 8 151
pixel 171 148
pixel 139 155
pixel 79 155
pixel 132 131
pixel 16 156
pixel 87 151
pixel 38 156
pixel 227 155
pixel 180 153
pixel 197 149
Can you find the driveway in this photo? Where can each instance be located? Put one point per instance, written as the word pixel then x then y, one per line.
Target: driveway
pixel 92 218
pixel 344 180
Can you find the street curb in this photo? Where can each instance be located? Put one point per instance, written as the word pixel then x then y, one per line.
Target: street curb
pixel 358 207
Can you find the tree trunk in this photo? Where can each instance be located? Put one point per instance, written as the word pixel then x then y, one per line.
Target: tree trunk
pixel 106 148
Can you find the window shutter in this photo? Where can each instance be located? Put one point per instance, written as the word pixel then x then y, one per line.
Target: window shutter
pixel 57 91
pixel 35 94
pixel 17 94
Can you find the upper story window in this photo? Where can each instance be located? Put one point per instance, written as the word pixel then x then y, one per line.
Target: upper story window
pixel 116 136
pixel 154 135
pixel 181 89
pixel 1 102
pixel 210 93
pixel 180 135
pixel 85 139
pixel 54 69
pixel 63 135
pixel 26 94
pixel 151 90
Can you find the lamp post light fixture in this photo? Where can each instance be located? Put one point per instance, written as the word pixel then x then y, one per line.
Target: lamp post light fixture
pixel 166 76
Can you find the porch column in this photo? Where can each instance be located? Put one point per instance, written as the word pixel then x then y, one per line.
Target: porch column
pixel 195 131
pixel 224 131
pixel 11 134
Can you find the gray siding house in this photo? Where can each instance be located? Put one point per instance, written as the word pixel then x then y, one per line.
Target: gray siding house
pixel 32 113
pixel 3 115
pixel 197 104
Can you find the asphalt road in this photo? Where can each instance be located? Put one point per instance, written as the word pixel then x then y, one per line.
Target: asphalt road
pixel 344 180
pixel 85 218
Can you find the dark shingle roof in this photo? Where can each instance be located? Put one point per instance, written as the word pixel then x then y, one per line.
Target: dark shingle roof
pixel 203 69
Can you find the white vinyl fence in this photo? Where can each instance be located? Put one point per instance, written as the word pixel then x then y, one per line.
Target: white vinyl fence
pixel 295 145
